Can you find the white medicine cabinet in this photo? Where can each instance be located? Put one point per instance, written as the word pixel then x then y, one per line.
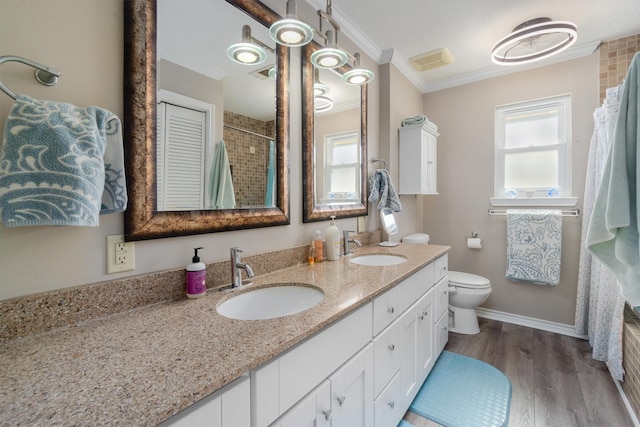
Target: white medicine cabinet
pixel 417 159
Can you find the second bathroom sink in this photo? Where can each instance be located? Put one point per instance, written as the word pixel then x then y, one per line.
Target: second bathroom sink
pixel 378 259
pixel 278 300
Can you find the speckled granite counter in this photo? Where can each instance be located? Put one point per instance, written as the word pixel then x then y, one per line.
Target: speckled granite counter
pixel 143 366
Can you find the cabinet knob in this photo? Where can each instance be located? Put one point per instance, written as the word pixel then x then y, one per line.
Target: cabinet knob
pixel 391 347
pixel 341 400
pixel 392 404
pixel 327 414
pixel 444 292
pixel 391 310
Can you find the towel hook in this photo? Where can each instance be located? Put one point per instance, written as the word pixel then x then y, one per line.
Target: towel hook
pixel 384 163
pixel 45 75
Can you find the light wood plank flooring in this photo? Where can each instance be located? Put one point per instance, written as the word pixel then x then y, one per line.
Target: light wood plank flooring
pixel 554 380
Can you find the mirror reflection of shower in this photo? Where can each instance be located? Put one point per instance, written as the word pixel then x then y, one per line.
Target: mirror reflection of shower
pixel 389 225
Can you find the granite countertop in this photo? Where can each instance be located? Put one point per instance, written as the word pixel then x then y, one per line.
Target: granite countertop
pixel 145 365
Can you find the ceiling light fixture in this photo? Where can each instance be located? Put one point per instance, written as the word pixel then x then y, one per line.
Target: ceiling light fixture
pixel 319 88
pixel 250 51
pixel 534 40
pixel 357 75
pixel 291 31
pixel 322 103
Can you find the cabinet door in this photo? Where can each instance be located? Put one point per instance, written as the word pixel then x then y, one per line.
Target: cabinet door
pixel 352 391
pixel 314 410
pixel 431 172
pixel 417 347
pixel 442 333
pixel 228 407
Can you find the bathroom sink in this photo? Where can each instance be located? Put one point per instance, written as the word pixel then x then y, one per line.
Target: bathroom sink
pixel 278 300
pixel 378 259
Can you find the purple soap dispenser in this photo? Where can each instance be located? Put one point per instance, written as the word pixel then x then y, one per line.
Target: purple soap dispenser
pixel 196 277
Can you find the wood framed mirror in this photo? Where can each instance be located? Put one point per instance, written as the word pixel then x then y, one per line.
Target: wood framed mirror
pixel 143 220
pixel 325 191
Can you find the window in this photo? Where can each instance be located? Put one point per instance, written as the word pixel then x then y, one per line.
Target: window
pixel 342 166
pixel 533 149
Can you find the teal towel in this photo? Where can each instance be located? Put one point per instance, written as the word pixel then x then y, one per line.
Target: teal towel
pixel 613 232
pixel 55 164
pixel 414 120
pixel 269 195
pixel 222 195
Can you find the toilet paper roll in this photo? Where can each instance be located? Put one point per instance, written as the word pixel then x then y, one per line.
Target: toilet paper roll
pixel 474 243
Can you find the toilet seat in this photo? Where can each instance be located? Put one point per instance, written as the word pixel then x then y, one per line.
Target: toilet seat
pixel 468 280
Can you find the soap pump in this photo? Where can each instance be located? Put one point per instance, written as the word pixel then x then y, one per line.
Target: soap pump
pixel 196 277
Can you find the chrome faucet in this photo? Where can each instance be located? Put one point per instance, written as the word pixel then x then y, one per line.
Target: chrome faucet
pixel 346 241
pixel 236 266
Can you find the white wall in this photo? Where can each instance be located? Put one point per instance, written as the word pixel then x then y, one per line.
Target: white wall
pixel 465 119
pixel 84 40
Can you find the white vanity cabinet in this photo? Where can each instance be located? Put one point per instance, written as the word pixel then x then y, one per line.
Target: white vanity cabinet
pixel 227 407
pixel 441 306
pixel 418 159
pixel 313 410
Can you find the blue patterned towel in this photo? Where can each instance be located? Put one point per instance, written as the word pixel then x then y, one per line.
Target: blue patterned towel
pixel 534 240
pixel 383 191
pixel 60 165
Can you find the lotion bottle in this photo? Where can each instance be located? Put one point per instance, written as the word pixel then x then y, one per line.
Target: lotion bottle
pixel 196 277
pixel 332 240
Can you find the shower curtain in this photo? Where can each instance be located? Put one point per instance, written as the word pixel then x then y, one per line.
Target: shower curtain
pixel 269 194
pixel 600 305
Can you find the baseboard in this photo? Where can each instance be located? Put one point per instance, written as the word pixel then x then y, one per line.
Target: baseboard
pixel 516 319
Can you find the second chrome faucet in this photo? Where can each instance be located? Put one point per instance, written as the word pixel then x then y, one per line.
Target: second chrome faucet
pixel 347 240
pixel 236 268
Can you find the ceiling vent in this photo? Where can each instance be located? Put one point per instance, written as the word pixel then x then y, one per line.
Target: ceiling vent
pixel 263 73
pixel 433 59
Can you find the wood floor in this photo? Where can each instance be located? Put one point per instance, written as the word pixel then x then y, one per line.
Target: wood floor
pixel 554 380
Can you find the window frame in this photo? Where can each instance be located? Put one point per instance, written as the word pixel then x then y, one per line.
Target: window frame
pixel 535 196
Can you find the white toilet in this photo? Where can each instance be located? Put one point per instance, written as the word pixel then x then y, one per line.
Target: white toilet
pixel 466 292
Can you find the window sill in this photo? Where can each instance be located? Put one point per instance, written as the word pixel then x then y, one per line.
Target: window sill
pixel 534 201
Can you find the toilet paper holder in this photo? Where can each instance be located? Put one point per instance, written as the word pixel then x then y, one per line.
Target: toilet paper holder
pixel 472 235
pixel 473 240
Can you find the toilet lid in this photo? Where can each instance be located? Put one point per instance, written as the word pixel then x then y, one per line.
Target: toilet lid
pixel 468 280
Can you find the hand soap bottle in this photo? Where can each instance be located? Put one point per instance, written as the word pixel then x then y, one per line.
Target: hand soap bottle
pixel 332 240
pixel 196 277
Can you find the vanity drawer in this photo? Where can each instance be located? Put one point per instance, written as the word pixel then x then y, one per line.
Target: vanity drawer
pixel 416 285
pixel 442 267
pixel 386 309
pixel 441 297
pixel 388 410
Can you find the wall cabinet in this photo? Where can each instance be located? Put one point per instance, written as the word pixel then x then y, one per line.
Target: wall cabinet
pixel 417 159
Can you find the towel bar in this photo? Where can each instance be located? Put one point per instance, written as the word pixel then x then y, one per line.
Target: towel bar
pixel 571 212
pixel 384 163
pixel 45 75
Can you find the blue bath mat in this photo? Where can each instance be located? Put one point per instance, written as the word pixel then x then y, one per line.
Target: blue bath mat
pixel 464 392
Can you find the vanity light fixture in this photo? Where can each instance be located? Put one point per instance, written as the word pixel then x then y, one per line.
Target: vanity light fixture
pixel 329 56
pixel 250 51
pixel 291 31
pixel 534 40
pixel 357 75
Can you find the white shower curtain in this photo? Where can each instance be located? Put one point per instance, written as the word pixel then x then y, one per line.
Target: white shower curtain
pixel 600 305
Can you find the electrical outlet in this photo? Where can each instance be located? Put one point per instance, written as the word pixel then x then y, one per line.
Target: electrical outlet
pixel 121 255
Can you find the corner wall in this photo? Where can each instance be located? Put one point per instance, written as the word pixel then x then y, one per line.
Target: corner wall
pixel 465 119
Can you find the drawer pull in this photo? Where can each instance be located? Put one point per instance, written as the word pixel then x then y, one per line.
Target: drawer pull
pixel 391 310
pixel 391 347
pixel 341 400
pixel 392 404
pixel 327 414
pixel 444 292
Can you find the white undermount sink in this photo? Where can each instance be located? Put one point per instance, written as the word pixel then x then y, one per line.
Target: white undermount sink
pixel 378 259
pixel 277 300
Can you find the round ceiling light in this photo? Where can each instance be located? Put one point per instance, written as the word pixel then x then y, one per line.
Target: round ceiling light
pixel 246 53
pixel 534 40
